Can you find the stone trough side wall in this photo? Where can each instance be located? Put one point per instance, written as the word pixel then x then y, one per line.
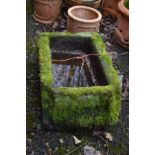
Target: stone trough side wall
pixel 81 106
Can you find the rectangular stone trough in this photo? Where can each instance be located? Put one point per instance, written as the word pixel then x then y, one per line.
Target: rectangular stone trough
pixel 79 85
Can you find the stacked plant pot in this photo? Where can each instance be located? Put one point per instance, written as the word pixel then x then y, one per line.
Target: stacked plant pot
pixel 90 3
pixel 46 11
pixel 110 7
pixel 121 34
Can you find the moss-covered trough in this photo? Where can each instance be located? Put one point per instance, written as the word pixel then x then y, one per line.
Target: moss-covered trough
pixel 78 106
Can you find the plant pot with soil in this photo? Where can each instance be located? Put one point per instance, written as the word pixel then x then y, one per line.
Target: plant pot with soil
pixel 110 7
pixel 46 11
pixel 122 31
pixel 91 3
pixel 83 19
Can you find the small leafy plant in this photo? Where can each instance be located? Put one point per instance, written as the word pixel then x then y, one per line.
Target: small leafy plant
pixel 126 3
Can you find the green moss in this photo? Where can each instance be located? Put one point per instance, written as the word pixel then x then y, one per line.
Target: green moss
pixel 82 106
pixel 126 3
pixel 29 43
pixel 116 149
pixel 30 121
pixel 45 61
pixel 61 150
pixel 29 7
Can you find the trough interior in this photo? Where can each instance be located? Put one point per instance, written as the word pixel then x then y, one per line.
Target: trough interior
pixel 68 71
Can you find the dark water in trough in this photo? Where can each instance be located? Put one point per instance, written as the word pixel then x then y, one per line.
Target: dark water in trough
pixel 70 70
pixel 72 73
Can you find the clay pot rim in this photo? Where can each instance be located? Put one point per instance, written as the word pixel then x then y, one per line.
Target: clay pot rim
pixel 82 2
pixel 111 11
pixel 122 8
pixel 84 20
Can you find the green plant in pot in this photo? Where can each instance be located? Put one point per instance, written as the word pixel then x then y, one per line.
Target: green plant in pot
pixel 90 3
pixel 126 4
pixel 122 31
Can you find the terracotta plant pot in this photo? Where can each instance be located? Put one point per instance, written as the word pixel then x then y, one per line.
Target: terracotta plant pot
pixel 91 3
pixel 46 11
pixel 110 7
pixel 83 19
pixel 122 31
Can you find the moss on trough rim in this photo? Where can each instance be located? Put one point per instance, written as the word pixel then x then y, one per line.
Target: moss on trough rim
pixel 82 106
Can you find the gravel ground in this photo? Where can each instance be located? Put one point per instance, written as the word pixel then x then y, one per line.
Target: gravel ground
pixel 42 142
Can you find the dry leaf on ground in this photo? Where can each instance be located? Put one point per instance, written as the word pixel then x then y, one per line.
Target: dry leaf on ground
pixel 108 136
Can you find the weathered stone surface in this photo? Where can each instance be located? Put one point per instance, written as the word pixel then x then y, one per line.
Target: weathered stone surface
pixel 99 104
